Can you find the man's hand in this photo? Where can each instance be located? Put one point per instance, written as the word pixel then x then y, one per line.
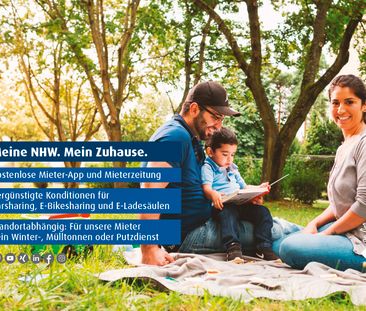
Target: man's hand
pixel 310 228
pixel 217 200
pixel 154 255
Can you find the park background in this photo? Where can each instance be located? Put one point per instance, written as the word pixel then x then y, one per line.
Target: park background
pixel 116 70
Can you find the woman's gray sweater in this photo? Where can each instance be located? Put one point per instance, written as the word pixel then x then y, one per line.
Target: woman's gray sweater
pixel 347 186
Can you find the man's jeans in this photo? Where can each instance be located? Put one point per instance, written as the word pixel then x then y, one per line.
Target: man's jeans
pixel 207 238
pixel 258 215
pixel 335 251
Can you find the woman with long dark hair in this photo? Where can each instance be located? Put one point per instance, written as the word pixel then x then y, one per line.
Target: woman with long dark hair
pixel 337 237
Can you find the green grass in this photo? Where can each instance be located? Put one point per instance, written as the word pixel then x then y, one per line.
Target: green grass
pixel 295 212
pixel 73 286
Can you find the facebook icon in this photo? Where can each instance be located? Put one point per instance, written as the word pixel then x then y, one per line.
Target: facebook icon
pixel 48 258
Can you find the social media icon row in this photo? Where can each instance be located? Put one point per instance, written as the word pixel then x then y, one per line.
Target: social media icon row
pixel 35 258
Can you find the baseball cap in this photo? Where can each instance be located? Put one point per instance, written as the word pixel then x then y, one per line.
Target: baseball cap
pixel 211 94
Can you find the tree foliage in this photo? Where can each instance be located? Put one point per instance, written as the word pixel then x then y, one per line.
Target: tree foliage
pixel 16 119
pixel 313 27
pixel 114 45
pixel 140 122
pixel 323 137
pixel 58 100
pixel 121 49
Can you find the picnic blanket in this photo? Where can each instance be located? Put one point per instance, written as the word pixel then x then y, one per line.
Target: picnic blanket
pixel 194 274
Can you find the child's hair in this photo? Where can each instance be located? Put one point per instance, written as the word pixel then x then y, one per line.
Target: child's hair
pixel 354 83
pixel 220 137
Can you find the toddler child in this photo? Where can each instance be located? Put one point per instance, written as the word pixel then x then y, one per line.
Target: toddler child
pixel 221 176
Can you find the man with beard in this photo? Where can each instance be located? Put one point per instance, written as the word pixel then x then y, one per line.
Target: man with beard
pixel 202 113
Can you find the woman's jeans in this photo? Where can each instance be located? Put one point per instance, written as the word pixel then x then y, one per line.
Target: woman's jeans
pixel 207 238
pixel 335 251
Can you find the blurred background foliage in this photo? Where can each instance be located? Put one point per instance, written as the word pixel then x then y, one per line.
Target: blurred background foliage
pixel 69 72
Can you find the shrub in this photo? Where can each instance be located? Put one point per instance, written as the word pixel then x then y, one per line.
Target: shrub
pixel 250 169
pixel 306 185
pixel 308 175
pixel 323 138
pixel 299 165
pixel 295 147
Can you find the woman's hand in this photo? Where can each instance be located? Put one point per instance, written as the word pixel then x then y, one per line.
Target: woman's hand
pixel 325 217
pixel 327 232
pixel 310 228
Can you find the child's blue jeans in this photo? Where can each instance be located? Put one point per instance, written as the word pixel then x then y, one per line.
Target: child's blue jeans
pixel 258 215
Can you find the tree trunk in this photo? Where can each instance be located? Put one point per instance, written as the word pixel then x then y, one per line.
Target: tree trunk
pixel 278 161
pixel 115 136
pixel 271 132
